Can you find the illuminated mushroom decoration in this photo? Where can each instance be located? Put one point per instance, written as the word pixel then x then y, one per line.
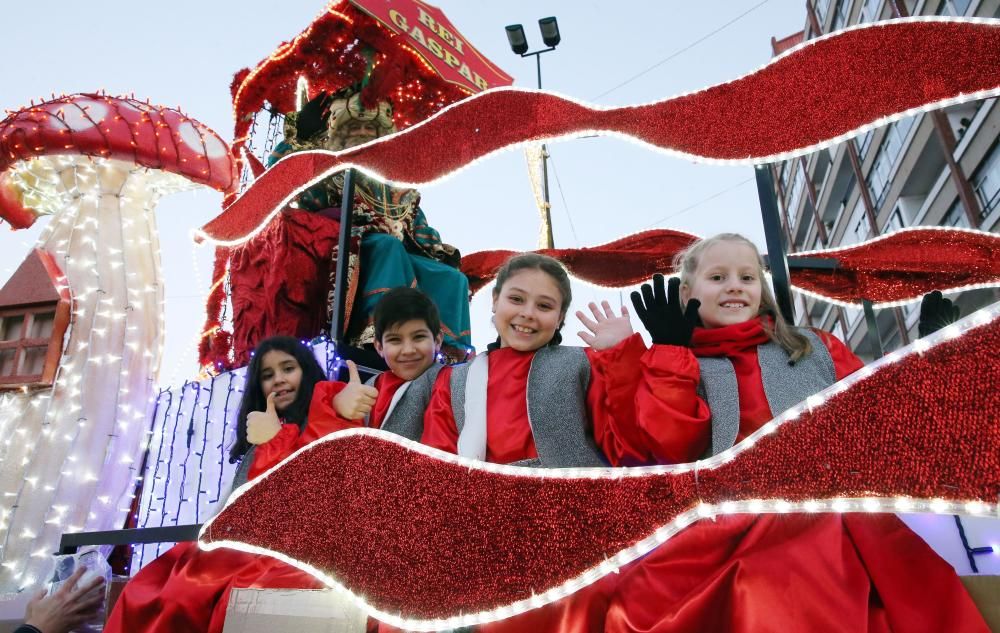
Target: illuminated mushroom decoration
pixel 98 165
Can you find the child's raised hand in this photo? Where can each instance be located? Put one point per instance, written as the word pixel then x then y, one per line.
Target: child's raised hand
pixel 606 329
pixel 263 425
pixel 662 315
pixel 936 312
pixel 355 400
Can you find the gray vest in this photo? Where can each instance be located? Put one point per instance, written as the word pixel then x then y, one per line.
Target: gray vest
pixel 784 385
pixel 557 413
pixel 407 417
pixel 243 469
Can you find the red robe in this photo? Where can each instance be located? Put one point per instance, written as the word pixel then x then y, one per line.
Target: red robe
pixel 509 439
pixel 749 573
pixel 187 589
pixel 387 384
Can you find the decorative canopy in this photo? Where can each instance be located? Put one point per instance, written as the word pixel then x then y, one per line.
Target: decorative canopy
pixel 403 50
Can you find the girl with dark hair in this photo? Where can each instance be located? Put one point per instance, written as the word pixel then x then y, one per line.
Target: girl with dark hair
pixel 281 377
pixel 723 363
pixel 187 589
pixel 531 401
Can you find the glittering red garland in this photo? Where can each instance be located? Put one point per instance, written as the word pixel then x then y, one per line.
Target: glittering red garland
pixel 903 266
pixel 623 262
pixel 395 524
pixel 819 93
pixel 216 343
pixel 898 267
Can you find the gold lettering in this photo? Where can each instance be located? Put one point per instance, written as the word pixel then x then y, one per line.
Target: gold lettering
pixel 446 35
pixel 465 72
pixel 435 47
pixel 482 82
pixel 427 20
pixel 450 59
pixel 398 19
pixel 449 38
pixel 418 35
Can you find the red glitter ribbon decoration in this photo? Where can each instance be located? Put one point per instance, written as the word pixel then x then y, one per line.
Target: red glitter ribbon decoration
pixel 624 262
pixel 395 523
pixel 895 268
pixel 904 266
pixel 819 93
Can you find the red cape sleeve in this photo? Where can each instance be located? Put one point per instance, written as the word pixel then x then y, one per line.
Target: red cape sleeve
pixel 614 374
pixel 274 450
pixel 440 430
pixel 845 362
pixel 671 424
pixel 323 418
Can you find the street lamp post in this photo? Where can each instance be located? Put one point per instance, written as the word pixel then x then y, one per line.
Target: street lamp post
pixel 519 44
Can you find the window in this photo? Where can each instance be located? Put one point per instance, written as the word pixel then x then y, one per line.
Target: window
pixel 794 196
pixel 957 8
pixel 858 229
pixel 821 7
pixel 956 216
pixel 885 160
pixel 34 315
pixel 869 11
pixel 24 348
pixel 842 14
pixel 895 222
pixel 852 315
pixel 986 181
pixel 863 143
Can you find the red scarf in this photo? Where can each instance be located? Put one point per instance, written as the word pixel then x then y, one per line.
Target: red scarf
pixel 728 340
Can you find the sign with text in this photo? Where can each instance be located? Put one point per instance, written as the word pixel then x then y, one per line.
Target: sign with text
pixel 428 32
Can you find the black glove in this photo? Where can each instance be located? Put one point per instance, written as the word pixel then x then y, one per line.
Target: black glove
pixel 313 117
pixel 661 314
pixel 935 313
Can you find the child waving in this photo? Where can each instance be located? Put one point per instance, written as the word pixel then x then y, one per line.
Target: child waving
pixel 723 363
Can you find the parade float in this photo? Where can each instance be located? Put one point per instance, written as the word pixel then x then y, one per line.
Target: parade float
pixel 100 426
pixel 97 166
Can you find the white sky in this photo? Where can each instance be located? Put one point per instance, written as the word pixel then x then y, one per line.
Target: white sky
pixel 184 53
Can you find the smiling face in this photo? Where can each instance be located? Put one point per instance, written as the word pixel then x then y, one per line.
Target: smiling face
pixel 727 282
pixel 408 348
pixel 281 374
pixel 528 310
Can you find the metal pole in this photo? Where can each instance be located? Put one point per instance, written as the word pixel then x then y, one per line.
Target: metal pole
pixel 873 335
pixel 337 325
pixel 549 241
pixel 775 245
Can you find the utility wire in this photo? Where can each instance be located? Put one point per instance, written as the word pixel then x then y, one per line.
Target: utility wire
pixel 685 49
pixel 562 196
pixel 699 203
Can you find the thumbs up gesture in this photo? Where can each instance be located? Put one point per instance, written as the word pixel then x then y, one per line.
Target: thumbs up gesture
pixel 356 399
pixel 263 425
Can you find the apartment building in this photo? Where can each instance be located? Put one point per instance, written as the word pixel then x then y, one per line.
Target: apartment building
pixel 938 168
